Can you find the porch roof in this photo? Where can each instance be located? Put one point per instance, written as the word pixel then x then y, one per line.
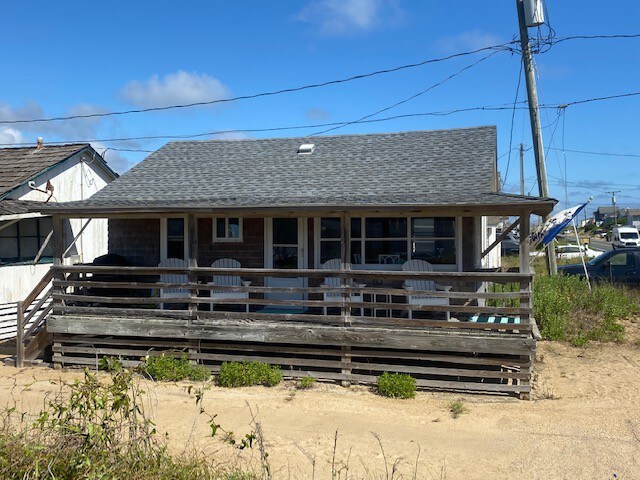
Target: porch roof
pixel 447 169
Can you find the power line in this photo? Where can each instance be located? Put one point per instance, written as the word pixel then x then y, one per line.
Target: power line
pixel 508 46
pixel 504 106
pixel 499 47
pixel 513 114
pixel 412 97
pixel 608 154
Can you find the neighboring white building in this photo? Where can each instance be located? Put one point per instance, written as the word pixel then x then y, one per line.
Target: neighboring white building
pixel 32 175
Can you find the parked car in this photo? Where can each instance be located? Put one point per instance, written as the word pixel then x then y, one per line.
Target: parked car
pixel 619 266
pixel 575 251
pixel 624 237
pixel 569 251
pixel 510 244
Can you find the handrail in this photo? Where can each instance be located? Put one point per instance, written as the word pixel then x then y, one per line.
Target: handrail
pixel 22 320
pixel 96 289
pixel 311 273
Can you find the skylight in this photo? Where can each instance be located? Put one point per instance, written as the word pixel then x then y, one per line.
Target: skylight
pixel 306 149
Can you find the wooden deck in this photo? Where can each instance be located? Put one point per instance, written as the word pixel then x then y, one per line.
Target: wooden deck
pixel 117 311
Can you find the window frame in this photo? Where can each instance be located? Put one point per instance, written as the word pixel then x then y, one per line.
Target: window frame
pixel 40 236
pixel 164 237
pixel 408 238
pixel 226 238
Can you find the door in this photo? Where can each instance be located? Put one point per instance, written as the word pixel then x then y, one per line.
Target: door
pixel 620 268
pixel 285 247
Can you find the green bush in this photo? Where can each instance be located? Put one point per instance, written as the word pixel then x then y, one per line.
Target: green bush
pixel 306 382
pixel 246 374
pixel 566 309
pixel 173 369
pixel 457 408
pixel 396 385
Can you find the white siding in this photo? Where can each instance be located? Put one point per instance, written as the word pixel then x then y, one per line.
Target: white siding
pixel 77 178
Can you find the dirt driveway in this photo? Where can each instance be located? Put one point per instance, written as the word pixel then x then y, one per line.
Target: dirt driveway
pixel 583 422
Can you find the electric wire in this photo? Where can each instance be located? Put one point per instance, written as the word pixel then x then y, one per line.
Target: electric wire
pixel 412 97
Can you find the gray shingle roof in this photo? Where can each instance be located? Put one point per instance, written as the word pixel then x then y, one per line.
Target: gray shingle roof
pixel 17 165
pixel 10 207
pixel 443 167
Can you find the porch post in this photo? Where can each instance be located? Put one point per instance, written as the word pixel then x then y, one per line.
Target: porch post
pixel 527 303
pixel 58 247
pixel 525 231
pixel 192 228
pixel 345 265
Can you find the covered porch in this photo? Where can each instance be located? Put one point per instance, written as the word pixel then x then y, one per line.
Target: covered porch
pixel 348 321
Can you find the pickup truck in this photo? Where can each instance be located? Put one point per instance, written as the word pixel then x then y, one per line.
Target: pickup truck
pixel 618 266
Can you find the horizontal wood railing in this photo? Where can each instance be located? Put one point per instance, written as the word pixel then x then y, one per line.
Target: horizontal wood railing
pixel 383 298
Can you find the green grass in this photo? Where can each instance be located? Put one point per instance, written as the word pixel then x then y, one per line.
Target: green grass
pixel 396 385
pixel 172 369
pixel 96 429
pixel 457 408
pixel 245 374
pixel 566 309
pixel 306 382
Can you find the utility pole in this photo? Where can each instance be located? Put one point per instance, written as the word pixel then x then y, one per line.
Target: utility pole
pixel 536 130
pixel 521 169
pixel 613 202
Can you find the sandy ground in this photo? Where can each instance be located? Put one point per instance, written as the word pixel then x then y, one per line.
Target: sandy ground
pixel 583 421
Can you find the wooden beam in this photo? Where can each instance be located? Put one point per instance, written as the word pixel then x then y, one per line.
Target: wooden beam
pixel 500 238
pixel 77 237
pixel 525 231
pixel 290 333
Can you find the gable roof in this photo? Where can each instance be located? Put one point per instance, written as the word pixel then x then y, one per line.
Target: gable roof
pixel 442 167
pixel 19 165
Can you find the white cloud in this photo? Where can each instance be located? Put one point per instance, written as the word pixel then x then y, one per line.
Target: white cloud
pixel 336 17
pixel 471 40
pixel 175 88
pixel 10 136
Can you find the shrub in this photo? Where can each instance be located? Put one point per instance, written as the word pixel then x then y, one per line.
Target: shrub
pixel 96 430
pixel 306 382
pixel 173 369
pixel 457 408
pixel 566 309
pixel 396 385
pixel 246 374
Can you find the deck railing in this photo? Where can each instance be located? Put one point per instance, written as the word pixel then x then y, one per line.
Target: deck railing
pixel 477 301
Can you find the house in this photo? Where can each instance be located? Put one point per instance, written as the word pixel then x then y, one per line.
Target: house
pixel 602 214
pixel 43 175
pixel 633 217
pixel 359 254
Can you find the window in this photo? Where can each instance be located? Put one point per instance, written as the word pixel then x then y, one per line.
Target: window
pixel 21 241
pixel 622 260
pixel 227 229
pixel 392 240
pixel 434 240
pixel 175 238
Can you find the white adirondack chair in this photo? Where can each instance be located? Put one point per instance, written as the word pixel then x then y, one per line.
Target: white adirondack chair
pixel 334 282
pixel 227 281
pixel 173 278
pixel 430 285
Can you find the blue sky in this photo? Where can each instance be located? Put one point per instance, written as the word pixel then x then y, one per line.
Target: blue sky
pixel 63 58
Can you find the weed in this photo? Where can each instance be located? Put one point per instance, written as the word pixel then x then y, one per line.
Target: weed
pixel 99 430
pixel 245 374
pixel 306 382
pixel 457 408
pixel 567 310
pixel 173 369
pixel 396 385
pixel 547 393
